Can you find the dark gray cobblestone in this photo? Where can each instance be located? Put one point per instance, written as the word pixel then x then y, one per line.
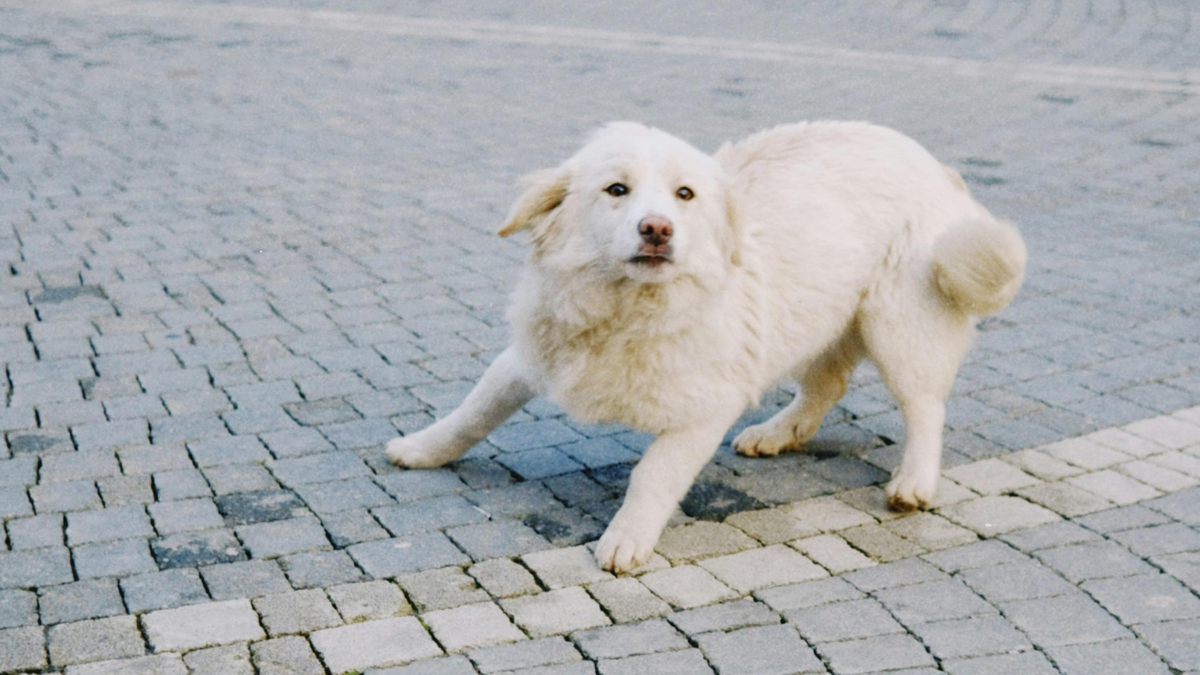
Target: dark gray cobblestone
pixel 246 244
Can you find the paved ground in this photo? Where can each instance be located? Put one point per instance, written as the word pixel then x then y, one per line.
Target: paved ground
pixel 248 243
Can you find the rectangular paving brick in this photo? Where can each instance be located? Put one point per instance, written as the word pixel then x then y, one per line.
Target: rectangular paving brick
pixel 389 557
pixel 769 650
pixel 374 644
pixel 204 625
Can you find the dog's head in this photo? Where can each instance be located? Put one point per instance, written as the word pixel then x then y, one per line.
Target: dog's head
pixel 634 203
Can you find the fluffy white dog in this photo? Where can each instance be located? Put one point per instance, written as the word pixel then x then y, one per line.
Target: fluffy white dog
pixel 668 289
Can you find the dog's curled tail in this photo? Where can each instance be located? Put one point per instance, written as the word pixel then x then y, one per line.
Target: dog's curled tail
pixel 978 265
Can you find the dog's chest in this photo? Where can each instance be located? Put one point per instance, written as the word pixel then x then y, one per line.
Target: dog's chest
pixel 620 374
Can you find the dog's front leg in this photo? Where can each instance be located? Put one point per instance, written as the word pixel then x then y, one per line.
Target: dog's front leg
pixel 504 388
pixel 659 481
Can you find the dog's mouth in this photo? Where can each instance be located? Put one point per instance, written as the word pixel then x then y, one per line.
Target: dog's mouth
pixel 651 260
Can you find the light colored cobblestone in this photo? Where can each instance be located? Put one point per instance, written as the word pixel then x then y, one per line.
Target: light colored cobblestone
pixel 687 586
pixel 555 612
pixel 374 644
pixel 990 477
pixel 828 514
pixel 471 627
pixel 564 567
pixel 833 553
pixel 761 568
pixel 198 626
pixel 1114 487
pixel 627 600
pixel 990 516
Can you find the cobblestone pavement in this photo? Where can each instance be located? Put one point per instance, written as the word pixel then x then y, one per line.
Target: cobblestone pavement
pixel 248 243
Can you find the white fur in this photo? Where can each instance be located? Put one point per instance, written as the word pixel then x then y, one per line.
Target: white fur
pixel 806 247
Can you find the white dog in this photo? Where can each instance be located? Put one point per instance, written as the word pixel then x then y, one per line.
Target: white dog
pixel 668 289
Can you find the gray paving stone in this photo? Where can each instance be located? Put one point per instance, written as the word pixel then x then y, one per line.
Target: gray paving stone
pixel 74 496
pixel 14 502
pixel 346 528
pixel 1063 620
pixel 97 640
pixel 369 601
pixel 1107 658
pixel 235 478
pixel 496 539
pixel 343 495
pixel 895 574
pixel 244 579
pixel 182 484
pixel 225 451
pixel 842 621
pixel 262 506
pixel 808 594
pixel 471 626
pixel 723 617
pixel 189 549
pixel 22 649
pixel 933 601
pixel 231 660
pixel 90 599
pixel 319 412
pixel 204 625
pixel 125 490
pixel 979 636
pixel 163 590
pixel 318 468
pixel 1144 599
pixel 36 532
pixel 625 600
pixel 1062 533
pixel 295 442
pixel 1175 641
pixel 286 656
pixel 974 556
pixel 183 516
pixel 283 537
pixel 159 664
pixel 555 612
pixel 441 589
pixel 686 662
pixel 871 654
pixel 1093 561
pixel 386 642
pixel 504 578
pixel 18 608
pixel 429 514
pixel 629 640
pixel 35 567
pixel 389 557
pixel 1027 663
pixel 113 559
pixel 687 586
pixel 770 650
pixel 320 569
pixel 296 612
pixel 1017 581
pixel 524 654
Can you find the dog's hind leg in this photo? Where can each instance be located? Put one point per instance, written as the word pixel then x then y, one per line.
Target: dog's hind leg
pixel 917 343
pixel 823 383
pixel 501 392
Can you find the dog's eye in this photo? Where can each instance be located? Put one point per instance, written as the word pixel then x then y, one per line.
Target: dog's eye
pixel 617 189
pixel 685 193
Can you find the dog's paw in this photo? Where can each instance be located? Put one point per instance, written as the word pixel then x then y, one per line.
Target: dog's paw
pixel 625 546
pixel 409 452
pixel 912 489
pixel 769 439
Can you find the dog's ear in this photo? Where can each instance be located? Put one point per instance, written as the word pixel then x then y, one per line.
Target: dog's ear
pixel 545 192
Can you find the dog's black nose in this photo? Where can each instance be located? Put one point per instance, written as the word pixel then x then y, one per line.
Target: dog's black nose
pixel 655 230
